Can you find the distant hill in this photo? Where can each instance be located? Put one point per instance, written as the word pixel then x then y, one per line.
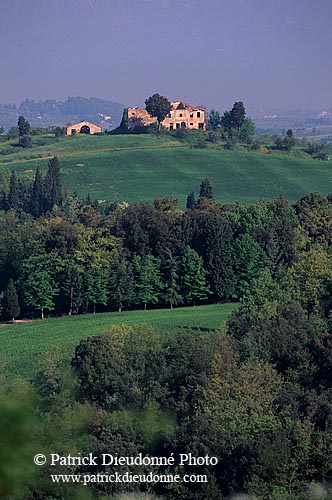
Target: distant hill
pixel 313 123
pixel 105 113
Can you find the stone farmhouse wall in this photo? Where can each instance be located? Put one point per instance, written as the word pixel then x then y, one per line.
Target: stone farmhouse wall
pixel 88 128
pixel 182 115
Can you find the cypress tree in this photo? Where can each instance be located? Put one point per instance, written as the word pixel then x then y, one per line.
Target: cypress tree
pixel 14 196
pixel 238 115
pixel 11 307
pixel 206 190
pixel 88 200
pixel 36 201
pixel 171 292
pixel 23 126
pixel 191 202
pixel 24 190
pixel 218 258
pixel 124 122
pixel 52 185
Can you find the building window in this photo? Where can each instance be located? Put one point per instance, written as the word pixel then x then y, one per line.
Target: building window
pixel 198 114
pixel 191 115
pixel 201 125
pixel 171 126
pixel 191 124
pixel 180 115
pixel 178 125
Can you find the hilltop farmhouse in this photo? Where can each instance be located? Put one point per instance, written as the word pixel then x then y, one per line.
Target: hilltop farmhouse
pixel 84 127
pixel 182 115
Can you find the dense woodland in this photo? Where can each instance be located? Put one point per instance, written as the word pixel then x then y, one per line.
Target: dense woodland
pixel 257 394
pixel 64 255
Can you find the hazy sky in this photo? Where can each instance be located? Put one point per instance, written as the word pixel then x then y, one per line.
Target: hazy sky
pixel 267 53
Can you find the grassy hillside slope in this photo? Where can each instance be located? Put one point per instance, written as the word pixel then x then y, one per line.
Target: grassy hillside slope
pixel 134 168
pixel 23 344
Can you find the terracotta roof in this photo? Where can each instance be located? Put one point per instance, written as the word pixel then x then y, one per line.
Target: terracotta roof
pixel 185 105
pixel 83 122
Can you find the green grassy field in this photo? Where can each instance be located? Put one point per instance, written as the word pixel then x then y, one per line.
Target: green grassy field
pixel 136 168
pixel 22 345
pixel 46 146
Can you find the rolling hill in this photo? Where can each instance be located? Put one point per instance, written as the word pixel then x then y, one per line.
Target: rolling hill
pixel 133 168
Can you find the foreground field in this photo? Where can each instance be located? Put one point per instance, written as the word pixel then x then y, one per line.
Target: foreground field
pixel 136 168
pixel 22 345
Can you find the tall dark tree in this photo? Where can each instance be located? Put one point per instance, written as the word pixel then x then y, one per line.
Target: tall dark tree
pixel 171 291
pixel 121 284
pixel 123 127
pixel 217 257
pixel 14 200
pixel 23 126
pixel 191 202
pixel 226 121
pixel 214 120
pixel 158 106
pixel 36 200
pixel 193 283
pixel 52 184
pixel 25 193
pixel 238 115
pixel 205 190
pixel 11 306
pixel 284 231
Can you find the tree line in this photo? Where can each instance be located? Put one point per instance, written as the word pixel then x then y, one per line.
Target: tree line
pixel 256 394
pixel 67 255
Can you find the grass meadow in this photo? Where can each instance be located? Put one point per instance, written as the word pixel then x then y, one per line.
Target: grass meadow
pixel 137 168
pixel 22 345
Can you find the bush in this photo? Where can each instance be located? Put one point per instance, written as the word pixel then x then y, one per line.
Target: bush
pixel 59 131
pixel 180 133
pixel 121 369
pixel 201 143
pixel 25 141
pixel 13 132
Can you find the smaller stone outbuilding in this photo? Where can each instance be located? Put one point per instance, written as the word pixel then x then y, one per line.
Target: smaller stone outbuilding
pixel 84 127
